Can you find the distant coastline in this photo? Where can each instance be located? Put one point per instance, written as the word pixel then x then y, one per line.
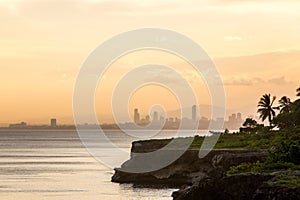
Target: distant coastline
pixel 73 127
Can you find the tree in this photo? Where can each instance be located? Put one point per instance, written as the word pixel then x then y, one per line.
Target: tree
pixel 289 119
pixel 249 122
pixel 251 126
pixel 266 109
pixel 285 104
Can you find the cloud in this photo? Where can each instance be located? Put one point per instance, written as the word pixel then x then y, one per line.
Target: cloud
pixel 232 38
pixel 165 76
pixel 241 81
pixel 279 81
pixel 238 82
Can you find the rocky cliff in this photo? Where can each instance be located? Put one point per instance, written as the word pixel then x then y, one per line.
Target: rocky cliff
pixel 250 186
pixel 185 170
pixel 203 178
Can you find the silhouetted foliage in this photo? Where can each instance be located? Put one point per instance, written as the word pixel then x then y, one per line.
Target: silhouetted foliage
pixel 289 119
pixel 251 126
pixel 283 146
pixel 287 151
pixel 285 104
pixel 226 131
pixel 249 122
pixel 266 109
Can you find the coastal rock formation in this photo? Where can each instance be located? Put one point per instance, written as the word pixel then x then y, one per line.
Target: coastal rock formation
pixel 240 187
pixel 204 178
pixel 186 170
pixel 250 186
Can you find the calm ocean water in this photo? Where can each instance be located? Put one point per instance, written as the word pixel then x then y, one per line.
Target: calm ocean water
pixel 53 164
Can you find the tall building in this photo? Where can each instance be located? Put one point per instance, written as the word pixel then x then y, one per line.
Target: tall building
pixel 235 121
pixel 147 119
pixel 155 116
pixel 194 112
pixel 53 123
pixel 234 116
pixel 136 116
pixel 239 117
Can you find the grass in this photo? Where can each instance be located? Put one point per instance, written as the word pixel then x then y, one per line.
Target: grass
pixel 263 140
pixel 266 167
pixel 291 183
pixel 287 179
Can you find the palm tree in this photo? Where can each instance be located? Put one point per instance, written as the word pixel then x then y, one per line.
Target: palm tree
pixel 285 104
pixel 266 109
pixel 298 92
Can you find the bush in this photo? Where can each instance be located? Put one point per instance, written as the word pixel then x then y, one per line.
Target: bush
pixel 292 183
pixel 286 151
pixel 242 168
pixel 265 167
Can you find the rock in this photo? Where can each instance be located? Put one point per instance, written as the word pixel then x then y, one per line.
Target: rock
pixel 250 186
pixel 185 170
pixel 204 178
pixel 273 190
pixel 268 192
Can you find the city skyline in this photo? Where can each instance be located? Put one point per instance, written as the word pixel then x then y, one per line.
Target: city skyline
pixel 155 119
pixel 249 52
pixel 234 121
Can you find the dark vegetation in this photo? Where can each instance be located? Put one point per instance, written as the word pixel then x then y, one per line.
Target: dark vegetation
pixel 282 144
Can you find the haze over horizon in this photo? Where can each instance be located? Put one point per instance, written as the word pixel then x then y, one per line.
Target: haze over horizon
pixel 255 45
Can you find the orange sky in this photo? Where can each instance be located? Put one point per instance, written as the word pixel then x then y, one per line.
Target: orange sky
pixel 255 44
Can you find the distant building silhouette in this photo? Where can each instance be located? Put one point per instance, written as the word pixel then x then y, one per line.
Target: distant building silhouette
pixel 194 112
pixel 19 125
pixel 177 120
pixel 239 117
pixel 136 116
pixel 147 119
pixel 155 116
pixel 234 121
pixel 53 122
pixel 232 118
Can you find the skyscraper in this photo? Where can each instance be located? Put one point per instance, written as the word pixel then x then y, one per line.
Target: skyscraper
pixel 194 112
pixel 136 116
pixel 155 116
pixel 234 117
pixel 53 123
pixel 147 119
pixel 239 117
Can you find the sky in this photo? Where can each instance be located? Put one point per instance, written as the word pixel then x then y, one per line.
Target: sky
pixel 43 43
